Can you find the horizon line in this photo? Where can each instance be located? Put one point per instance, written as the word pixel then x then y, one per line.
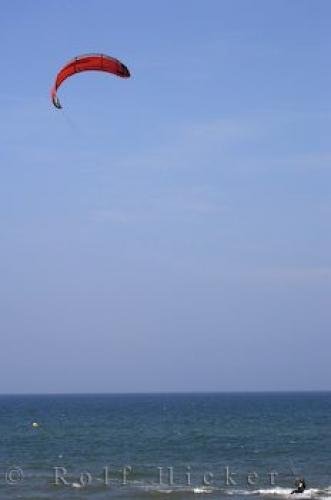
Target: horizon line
pixel 160 393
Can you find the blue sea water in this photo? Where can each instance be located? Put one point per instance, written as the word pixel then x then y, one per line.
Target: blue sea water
pixel 160 446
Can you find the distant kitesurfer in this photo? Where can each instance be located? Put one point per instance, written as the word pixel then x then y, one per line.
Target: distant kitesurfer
pixel 300 486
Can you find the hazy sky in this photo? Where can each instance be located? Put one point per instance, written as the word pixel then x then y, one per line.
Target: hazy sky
pixel 170 232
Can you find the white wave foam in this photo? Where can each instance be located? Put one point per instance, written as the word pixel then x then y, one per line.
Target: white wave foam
pixel 320 494
pixel 202 490
pixel 239 492
pixel 77 485
pixel 309 493
pixel 275 491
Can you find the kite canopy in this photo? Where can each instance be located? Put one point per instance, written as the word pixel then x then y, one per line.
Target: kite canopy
pixel 88 62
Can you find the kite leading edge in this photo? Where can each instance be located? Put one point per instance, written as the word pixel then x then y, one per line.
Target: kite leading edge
pixel 88 62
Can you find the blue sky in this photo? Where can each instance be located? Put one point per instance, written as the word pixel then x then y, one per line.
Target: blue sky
pixel 170 232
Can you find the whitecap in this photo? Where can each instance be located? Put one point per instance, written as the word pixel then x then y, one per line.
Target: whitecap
pixel 77 485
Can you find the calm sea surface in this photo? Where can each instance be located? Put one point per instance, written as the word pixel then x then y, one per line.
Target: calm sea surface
pixel 165 446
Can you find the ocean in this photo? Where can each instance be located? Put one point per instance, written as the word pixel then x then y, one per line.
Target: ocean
pixel 157 446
